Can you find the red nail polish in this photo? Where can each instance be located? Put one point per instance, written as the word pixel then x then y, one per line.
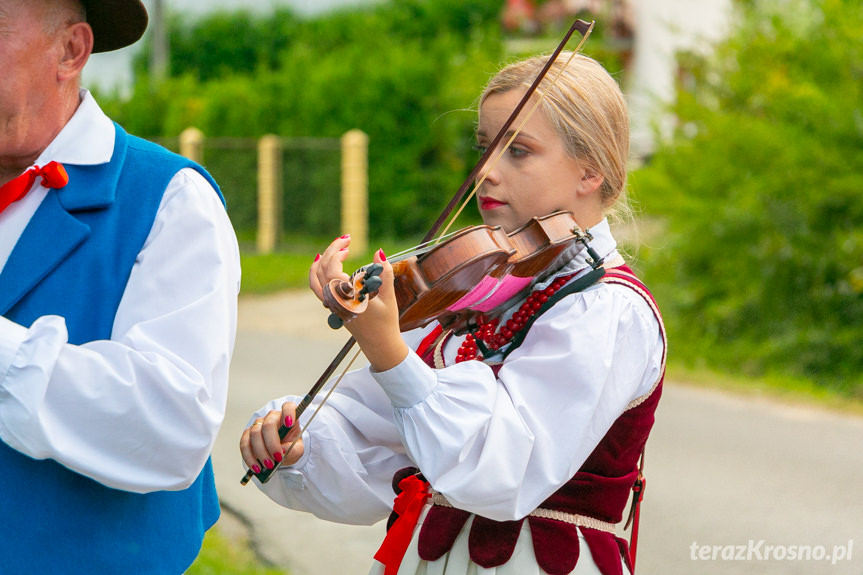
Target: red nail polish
pixel 268 464
pixel 382 255
pixel 344 237
pixel 256 469
pixel 277 456
pixel 289 421
pixel 343 250
pixel 317 257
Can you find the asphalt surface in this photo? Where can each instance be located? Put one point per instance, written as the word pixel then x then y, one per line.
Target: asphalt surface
pixel 735 484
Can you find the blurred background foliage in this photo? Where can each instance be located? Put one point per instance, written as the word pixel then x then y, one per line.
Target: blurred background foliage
pixel 759 191
pixel 403 72
pixel 758 261
pixel 407 73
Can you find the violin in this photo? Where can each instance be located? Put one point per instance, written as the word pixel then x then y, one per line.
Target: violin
pixel 439 285
pixel 478 270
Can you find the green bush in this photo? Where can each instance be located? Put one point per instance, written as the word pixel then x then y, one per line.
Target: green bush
pixel 760 188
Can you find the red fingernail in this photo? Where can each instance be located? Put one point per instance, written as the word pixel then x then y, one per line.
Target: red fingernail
pixel 269 464
pixel 317 257
pixel 343 250
pixel 277 456
pixel 344 237
pixel 256 469
pixel 289 421
pixel 382 256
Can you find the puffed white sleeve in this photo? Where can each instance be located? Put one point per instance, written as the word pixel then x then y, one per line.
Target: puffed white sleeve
pixel 139 412
pixel 499 445
pixel 352 449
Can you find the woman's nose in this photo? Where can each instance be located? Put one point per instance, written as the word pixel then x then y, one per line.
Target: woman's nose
pixel 490 172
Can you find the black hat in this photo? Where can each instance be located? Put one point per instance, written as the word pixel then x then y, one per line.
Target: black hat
pixel 115 23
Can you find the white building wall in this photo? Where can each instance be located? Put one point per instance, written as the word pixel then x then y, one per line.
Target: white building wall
pixel 664 27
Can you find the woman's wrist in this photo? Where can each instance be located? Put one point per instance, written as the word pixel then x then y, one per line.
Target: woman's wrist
pixel 384 353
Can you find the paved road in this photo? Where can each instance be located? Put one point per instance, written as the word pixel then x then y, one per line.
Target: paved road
pixel 735 485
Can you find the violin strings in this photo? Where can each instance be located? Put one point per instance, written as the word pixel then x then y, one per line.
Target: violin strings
pixel 494 162
pixel 418 249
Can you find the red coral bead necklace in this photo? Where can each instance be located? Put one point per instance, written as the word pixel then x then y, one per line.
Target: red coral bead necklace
pixel 494 336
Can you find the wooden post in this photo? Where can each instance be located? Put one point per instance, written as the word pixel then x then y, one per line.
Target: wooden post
pixel 269 193
pixel 355 183
pixel 192 144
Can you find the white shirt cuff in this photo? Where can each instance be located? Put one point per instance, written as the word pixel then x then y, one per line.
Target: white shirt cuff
pixel 11 336
pixel 408 383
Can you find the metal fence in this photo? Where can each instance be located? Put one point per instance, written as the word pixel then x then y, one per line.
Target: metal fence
pixel 314 179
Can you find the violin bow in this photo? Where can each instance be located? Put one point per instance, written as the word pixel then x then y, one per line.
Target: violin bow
pixel 585 29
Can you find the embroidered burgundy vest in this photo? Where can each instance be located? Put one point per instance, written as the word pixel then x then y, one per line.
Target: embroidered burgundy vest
pixel 600 489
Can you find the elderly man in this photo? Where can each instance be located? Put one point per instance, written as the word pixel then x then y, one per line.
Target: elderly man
pixel 119 274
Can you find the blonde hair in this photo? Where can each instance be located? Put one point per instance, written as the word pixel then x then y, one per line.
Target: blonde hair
pixel 587 110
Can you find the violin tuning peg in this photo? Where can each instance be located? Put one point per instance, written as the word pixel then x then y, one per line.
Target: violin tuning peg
pixel 335 321
pixel 372 284
pixel 373 270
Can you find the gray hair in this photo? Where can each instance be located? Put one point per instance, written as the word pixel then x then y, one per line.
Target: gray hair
pixel 59 13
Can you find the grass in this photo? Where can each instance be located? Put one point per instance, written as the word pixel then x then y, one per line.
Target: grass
pixel 787 389
pixel 289 267
pixel 274 272
pixel 221 555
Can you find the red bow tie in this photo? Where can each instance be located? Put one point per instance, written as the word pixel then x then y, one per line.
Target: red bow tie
pixel 53 175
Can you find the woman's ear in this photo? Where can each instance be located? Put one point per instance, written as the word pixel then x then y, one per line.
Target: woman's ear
pixel 590 182
pixel 76 49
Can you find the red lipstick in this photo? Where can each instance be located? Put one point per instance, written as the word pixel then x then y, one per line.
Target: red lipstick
pixel 490 203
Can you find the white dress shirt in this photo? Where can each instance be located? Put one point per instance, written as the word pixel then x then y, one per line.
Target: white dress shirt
pixel 495 446
pixel 139 412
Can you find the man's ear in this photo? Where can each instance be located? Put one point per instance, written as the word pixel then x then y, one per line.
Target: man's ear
pixel 77 47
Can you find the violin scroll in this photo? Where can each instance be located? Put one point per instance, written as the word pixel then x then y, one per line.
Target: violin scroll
pixel 347 299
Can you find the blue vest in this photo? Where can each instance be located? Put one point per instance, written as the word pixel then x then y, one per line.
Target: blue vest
pixel 74 260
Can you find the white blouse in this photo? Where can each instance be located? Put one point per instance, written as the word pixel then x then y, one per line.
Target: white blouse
pixel 495 446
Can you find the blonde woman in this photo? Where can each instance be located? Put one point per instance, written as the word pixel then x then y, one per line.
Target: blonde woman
pixel 516 454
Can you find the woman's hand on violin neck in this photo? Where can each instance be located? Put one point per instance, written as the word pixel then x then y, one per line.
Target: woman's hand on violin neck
pixel 261 446
pixel 329 265
pixel 376 329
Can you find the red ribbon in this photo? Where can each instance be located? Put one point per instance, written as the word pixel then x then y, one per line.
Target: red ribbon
pixel 428 340
pixel 408 505
pixel 53 176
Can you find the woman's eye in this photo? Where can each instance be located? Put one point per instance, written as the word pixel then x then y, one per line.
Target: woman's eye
pixel 517 152
pixel 514 151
